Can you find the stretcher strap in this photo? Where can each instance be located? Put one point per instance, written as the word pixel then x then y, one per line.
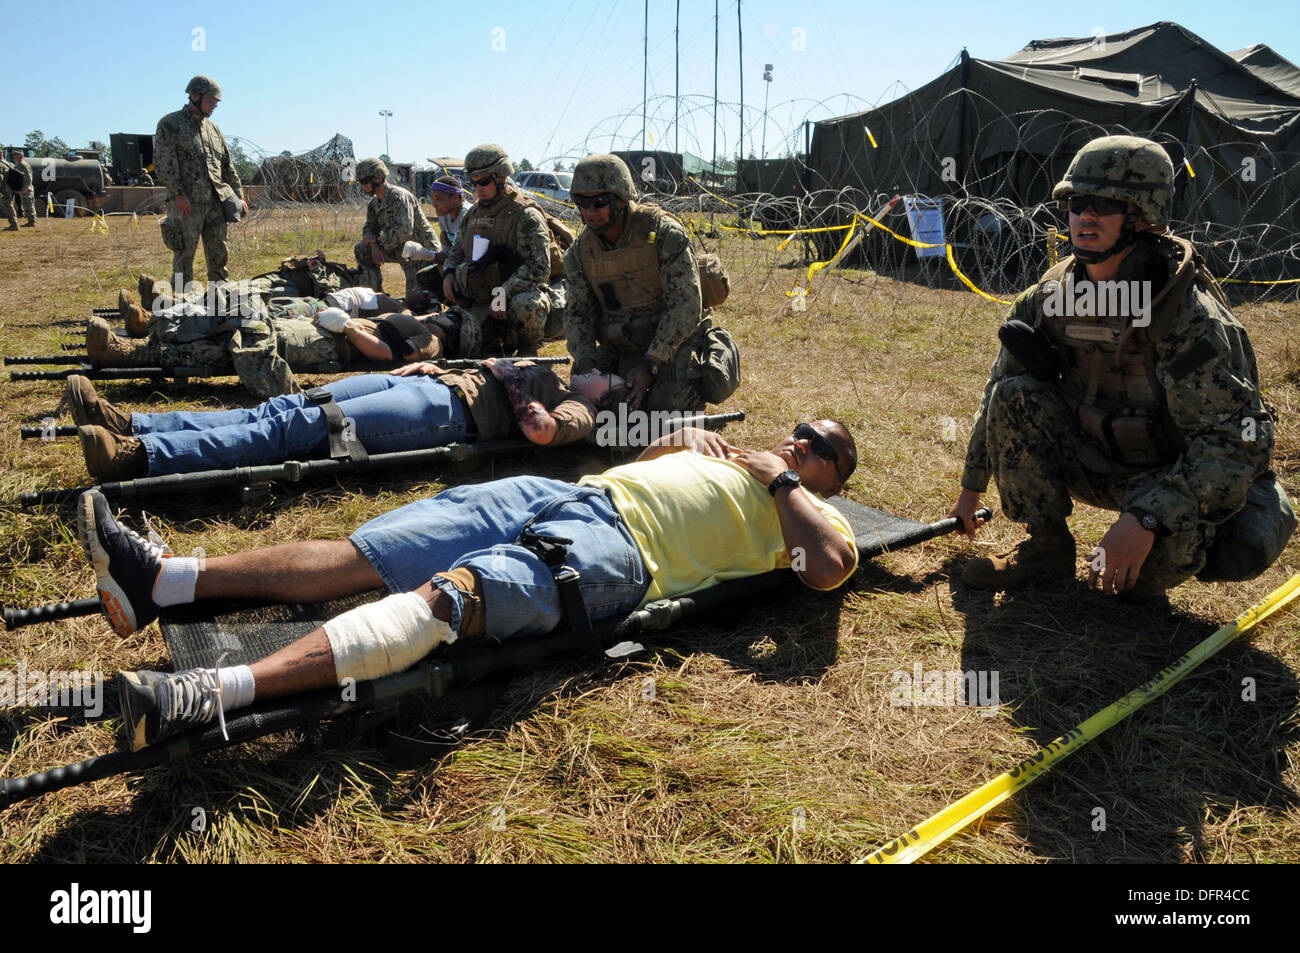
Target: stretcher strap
pixel 342 431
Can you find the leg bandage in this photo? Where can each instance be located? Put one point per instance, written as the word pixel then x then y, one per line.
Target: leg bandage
pixel 384 637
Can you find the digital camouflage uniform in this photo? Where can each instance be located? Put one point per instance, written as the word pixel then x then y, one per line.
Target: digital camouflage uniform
pixel 6 193
pixel 393 221
pixel 1209 435
pixel 25 192
pixel 520 262
pixel 192 159
pixel 644 302
pixel 268 333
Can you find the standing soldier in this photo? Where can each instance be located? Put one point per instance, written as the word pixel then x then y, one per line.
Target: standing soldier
pixel 203 189
pixel 393 218
pixel 7 192
pixel 24 188
pixel 1151 410
pixel 505 258
pixel 635 306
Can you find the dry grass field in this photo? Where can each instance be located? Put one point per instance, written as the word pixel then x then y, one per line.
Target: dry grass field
pixel 769 738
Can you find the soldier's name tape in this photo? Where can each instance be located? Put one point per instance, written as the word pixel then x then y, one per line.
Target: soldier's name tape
pixel 933 832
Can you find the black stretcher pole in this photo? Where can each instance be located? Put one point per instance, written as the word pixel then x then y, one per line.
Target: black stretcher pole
pixel 296 470
pixel 94 373
pixel 17 618
pixel 46 433
pixel 943 527
pixel 11 359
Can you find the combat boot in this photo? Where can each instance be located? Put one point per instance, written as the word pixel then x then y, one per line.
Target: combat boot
pixel 89 408
pixel 136 318
pixel 29 225
pixel 106 349
pixel 1047 554
pixel 151 289
pixel 110 457
pixel 13 227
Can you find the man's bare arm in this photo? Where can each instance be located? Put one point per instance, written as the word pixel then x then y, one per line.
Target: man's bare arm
pixel 689 438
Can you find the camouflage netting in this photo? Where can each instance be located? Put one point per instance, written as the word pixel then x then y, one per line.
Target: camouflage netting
pixel 323 174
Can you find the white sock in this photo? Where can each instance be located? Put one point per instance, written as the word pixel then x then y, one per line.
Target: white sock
pixel 176 580
pixel 237 688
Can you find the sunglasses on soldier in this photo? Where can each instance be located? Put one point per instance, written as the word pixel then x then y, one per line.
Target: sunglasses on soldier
pixel 591 202
pixel 821 446
pixel 1100 205
pixel 482 183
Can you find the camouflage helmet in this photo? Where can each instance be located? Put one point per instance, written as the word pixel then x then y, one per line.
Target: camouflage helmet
pixel 204 86
pixel 371 168
pixel 603 173
pixel 488 159
pixel 1127 168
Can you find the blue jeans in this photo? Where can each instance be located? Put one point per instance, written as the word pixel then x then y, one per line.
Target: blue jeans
pixel 477 526
pixel 389 413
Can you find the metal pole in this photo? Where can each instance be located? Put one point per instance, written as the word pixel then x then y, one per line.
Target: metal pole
pixel 386 113
pixel 740 56
pixel 645 69
pixel 767 89
pixel 677 80
pixel 715 86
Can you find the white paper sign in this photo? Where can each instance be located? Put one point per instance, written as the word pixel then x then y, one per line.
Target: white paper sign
pixel 925 218
pixel 480 247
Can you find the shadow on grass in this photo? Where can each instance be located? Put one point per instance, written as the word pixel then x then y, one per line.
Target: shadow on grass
pixel 1146 789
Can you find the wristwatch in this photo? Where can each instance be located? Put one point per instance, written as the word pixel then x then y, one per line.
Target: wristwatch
pixel 1148 521
pixel 651 365
pixel 785 478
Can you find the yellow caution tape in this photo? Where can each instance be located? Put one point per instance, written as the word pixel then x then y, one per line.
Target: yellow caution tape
pixel 871 137
pixel 1247 281
pixel 929 834
pixel 952 263
pixel 819 265
pixel 1188 166
pixel 99 223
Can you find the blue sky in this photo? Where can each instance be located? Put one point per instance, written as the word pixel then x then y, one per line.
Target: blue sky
pixel 544 79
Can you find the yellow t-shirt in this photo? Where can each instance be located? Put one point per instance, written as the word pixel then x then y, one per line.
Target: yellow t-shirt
pixel 701 520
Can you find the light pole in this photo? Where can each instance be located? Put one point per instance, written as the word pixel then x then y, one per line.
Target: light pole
pixel 767 78
pixel 386 113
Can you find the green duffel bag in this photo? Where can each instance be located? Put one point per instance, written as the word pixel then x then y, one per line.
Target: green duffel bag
pixel 1254 537
pixel 719 366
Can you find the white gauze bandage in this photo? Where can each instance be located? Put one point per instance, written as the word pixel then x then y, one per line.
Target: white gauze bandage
pixel 353 300
pixel 332 319
pixel 414 251
pixel 384 637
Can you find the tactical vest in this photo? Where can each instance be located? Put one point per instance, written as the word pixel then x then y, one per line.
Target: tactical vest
pixel 1109 364
pixel 499 225
pixel 626 279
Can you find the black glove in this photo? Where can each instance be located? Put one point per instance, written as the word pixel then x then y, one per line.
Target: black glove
pixel 1032 348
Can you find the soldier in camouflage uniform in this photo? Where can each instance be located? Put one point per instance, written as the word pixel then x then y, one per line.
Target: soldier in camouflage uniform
pixel 634 305
pixel 24 190
pixel 393 218
pixel 511 289
pixel 193 161
pixel 7 195
pixel 265 333
pixel 1153 410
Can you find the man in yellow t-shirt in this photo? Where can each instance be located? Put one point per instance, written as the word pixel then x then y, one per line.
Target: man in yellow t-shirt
pixel 692 511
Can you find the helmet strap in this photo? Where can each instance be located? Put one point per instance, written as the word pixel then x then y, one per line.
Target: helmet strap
pixel 1127 237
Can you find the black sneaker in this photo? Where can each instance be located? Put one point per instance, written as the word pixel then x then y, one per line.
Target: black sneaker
pixel 156 705
pixel 126 564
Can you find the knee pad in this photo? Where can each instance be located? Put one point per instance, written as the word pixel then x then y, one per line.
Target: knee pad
pixel 384 637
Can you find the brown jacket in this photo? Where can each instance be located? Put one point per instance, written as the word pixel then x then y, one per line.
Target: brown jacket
pixel 490 407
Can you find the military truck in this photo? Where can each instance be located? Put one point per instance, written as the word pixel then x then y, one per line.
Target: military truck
pixel 82 180
pixel 132 158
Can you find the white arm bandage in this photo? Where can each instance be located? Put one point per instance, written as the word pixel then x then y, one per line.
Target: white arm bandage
pixel 384 637
pixel 353 300
pixel 332 319
pixel 414 251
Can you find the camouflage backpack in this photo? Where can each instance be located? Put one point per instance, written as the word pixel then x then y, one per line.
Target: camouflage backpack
pixel 314 275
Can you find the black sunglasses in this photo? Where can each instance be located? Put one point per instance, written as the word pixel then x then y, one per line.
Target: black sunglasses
pixel 482 183
pixel 821 446
pixel 593 201
pixel 1100 205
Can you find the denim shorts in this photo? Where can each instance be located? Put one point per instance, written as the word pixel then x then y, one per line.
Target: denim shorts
pixel 479 526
